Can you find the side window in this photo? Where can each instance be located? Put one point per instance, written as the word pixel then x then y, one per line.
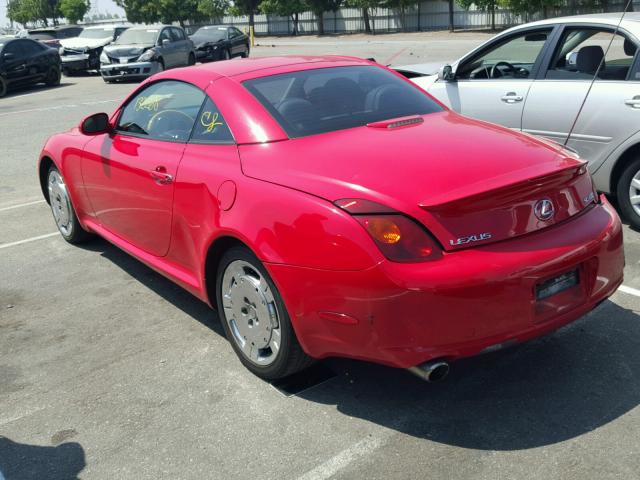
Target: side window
pixel 15 48
pixel 165 110
pixel 177 34
pixel 232 33
pixel 238 33
pixel 582 50
pixel 30 48
pixel 164 35
pixel 512 58
pixel 211 127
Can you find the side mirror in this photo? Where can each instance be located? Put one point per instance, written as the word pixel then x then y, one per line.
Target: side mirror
pixel 165 42
pixel 446 74
pixel 8 56
pixel 95 124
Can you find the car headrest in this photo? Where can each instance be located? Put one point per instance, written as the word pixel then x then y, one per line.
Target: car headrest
pixel 589 59
pixel 629 48
pixel 387 98
pixel 298 112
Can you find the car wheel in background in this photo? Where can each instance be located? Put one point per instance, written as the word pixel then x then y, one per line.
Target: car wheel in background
pixel 628 193
pixel 160 64
pixel 245 54
pixel 62 209
pixel 3 86
pixel 227 55
pixel 254 317
pixel 192 59
pixel 53 77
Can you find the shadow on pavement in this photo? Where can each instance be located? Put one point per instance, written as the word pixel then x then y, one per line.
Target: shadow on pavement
pixel 19 461
pixel 163 287
pixel 546 391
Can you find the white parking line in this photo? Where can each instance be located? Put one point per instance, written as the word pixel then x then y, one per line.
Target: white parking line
pixel 20 205
pixel 629 290
pixel 340 461
pixel 27 240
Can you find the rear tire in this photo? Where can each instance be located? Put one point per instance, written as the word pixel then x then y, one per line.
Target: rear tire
pixel 628 193
pixel 245 54
pixel 254 317
pixel 62 209
pixel 227 55
pixel 3 86
pixel 192 59
pixel 53 77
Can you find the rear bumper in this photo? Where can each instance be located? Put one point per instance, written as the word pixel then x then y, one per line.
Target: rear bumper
pixel 129 70
pixel 468 302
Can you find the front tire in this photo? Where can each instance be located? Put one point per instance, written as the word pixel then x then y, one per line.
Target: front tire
pixel 3 86
pixel 62 209
pixel 254 317
pixel 192 59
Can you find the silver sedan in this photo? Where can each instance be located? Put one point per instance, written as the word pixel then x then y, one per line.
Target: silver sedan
pixel 535 78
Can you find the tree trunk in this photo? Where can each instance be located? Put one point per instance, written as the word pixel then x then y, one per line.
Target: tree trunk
pixel 365 16
pixel 295 23
pixel 251 19
pixel 319 16
pixel 493 16
pixel 545 12
pixel 451 25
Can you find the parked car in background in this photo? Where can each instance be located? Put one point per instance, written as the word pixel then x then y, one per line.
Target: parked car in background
pixel 220 42
pixel 328 207
pixel 535 78
pixel 24 61
pixel 144 50
pixel 51 36
pixel 82 53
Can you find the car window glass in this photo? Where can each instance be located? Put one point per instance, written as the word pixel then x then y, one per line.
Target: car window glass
pixel 323 100
pixel 175 35
pixel 581 51
pixel 233 33
pixel 509 59
pixel 165 36
pixel 211 126
pixel 237 32
pixel 15 48
pixel 30 47
pixel 178 34
pixel 164 111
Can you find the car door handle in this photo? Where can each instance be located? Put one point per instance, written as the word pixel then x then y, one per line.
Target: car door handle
pixel 634 102
pixel 512 97
pixel 161 177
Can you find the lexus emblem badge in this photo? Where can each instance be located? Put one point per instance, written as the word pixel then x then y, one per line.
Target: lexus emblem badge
pixel 544 209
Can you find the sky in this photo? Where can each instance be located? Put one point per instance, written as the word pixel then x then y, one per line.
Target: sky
pixel 97 6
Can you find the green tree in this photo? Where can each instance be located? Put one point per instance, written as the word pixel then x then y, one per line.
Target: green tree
pixel 484 5
pixel 285 8
pixel 73 10
pixel 318 7
pixel 166 11
pixel 140 11
pixel 531 6
pixel 213 9
pixel 402 6
pixel 246 7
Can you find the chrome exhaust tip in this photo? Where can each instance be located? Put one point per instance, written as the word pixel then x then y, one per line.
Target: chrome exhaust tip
pixel 432 371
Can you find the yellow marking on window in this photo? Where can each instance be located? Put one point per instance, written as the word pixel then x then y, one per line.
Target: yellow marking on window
pixel 210 121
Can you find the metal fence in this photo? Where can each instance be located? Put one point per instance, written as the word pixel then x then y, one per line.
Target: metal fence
pixel 424 16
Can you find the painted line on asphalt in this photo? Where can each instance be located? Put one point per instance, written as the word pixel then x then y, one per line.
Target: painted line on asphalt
pixel 27 240
pixel 343 459
pixel 20 205
pixel 630 291
pixel 59 107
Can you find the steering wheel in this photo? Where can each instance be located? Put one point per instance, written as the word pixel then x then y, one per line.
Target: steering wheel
pixel 497 73
pixel 170 124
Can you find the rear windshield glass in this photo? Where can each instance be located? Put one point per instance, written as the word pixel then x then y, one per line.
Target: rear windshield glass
pixel 329 99
pixel 97 33
pixel 210 34
pixel 138 37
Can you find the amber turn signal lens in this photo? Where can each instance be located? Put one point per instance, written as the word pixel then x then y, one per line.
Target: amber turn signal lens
pixel 384 230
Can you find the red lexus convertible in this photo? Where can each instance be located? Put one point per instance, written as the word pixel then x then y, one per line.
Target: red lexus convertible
pixel 328 207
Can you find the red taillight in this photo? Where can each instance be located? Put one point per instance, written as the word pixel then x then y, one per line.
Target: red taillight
pixel 399 238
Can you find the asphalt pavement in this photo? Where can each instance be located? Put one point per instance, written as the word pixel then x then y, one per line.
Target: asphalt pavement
pixel 110 371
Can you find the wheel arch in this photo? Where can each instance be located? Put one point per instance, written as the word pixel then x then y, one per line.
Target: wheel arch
pixel 215 251
pixel 623 160
pixel 43 168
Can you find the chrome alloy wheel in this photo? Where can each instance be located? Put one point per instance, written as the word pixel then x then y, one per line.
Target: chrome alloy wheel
pixel 634 192
pixel 60 203
pixel 250 312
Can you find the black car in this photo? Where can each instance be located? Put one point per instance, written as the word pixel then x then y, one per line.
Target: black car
pixel 24 61
pixel 220 42
pixel 52 36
